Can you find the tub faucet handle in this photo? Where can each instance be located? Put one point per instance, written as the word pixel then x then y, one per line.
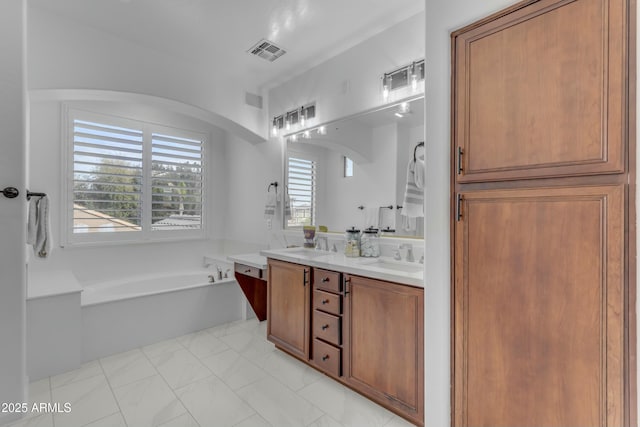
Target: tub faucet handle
pixel 212 279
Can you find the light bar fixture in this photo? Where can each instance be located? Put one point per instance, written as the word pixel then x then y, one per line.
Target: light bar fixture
pixel 299 117
pixel 408 76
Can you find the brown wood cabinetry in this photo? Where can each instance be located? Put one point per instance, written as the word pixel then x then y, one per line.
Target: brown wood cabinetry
pixel 365 333
pixel 543 234
pixel 383 347
pixel 540 91
pixel 288 307
pixel 539 307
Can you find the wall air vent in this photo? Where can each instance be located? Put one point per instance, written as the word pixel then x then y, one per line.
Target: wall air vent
pixel 267 50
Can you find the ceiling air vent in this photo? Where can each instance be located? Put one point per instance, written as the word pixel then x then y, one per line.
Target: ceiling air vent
pixel 267 50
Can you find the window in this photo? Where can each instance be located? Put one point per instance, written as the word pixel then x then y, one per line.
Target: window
pixel 348 167
pixel 132 180
pixel 301 181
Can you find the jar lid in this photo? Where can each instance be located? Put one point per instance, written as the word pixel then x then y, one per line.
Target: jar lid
pixel 371 230
pixel 353 230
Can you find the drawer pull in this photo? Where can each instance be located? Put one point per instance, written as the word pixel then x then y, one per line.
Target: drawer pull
pixel 248 271
pixel 325 279
pixel 325 327
pixel 325 357
pixel 325 301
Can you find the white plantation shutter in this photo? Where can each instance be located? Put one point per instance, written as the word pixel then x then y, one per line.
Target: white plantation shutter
pixel 176 182
pixel 301 181
pixel 107 178
pixel 130 181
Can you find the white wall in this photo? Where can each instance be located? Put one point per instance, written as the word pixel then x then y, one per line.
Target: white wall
pixel 358 70
pixel 12 211
pixel 113 261
pixel 65 54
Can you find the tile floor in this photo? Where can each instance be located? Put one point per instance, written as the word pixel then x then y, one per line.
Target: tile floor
pixel 229 375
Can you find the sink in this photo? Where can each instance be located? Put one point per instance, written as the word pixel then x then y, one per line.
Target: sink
pixel 406 267
pixel 307 253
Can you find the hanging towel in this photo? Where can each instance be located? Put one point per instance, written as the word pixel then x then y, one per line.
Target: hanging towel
pixel 370 217
pixel 413 204
pixel 270 205
pixel 287 206
pixel 38 226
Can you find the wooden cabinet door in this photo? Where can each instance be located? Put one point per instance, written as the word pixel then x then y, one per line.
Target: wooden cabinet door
pixel 538 307
pixel 540 91
pixel 383 345
pixel 288 307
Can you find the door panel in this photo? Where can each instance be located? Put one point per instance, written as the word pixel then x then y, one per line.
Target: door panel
pixel 541 92
pixel 538 307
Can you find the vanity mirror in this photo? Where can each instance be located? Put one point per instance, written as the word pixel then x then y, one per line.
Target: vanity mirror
pixel 353 171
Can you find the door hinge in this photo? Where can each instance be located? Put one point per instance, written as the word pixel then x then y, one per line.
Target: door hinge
pixel 459 160
pixel 458 207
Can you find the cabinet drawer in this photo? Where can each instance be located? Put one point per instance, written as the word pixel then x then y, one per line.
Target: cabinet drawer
pixel 248 271
pixel 327 327
pixel 324 301
pixel 327 357
pixel 326 280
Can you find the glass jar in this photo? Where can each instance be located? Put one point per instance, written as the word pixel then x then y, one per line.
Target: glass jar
pixel 352 244
pixel 370 243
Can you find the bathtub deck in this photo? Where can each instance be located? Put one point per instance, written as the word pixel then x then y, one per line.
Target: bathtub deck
pixel 229 375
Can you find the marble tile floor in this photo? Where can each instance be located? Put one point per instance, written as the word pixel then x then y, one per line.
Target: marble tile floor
pixel 229 375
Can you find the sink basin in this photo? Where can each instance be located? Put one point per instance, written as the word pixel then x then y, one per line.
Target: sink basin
pixel 307 253
pixel 406 267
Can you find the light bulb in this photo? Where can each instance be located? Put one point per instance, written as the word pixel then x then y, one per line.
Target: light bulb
pixel 404 107
pixel 287 124
pixel 294 137
pixel 306 134
pixel 414 77
pixel 303 117
pixel 386 84
pixel 274 129
pixel 322 130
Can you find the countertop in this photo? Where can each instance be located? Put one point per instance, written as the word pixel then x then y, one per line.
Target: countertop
pixel 252 260
pixel 407 273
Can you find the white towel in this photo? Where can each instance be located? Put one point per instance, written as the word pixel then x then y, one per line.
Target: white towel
pixel 38 226
pixel 270 205
pixel 413 203
pixel 370 217
pixel 287 206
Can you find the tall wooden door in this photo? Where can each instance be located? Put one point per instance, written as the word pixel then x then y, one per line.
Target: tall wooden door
pixel 384 334
pixel 539 301
pixel 288 307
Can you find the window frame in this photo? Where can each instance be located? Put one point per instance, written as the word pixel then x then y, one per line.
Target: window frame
pixel 314 208
pixel 146 234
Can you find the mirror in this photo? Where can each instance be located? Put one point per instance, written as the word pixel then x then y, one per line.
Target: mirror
pixel 359 167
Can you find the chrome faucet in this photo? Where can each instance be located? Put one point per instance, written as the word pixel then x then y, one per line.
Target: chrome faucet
pixel 212 279
pixel 409 248
pixel 321 247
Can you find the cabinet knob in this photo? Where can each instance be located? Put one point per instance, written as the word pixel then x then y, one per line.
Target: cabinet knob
pixel 325 280
pixel 248 271
pixel 325 327
pixel 325 357
pixel 325 301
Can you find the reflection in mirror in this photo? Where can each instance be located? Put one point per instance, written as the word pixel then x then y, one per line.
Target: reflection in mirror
pixel 356 173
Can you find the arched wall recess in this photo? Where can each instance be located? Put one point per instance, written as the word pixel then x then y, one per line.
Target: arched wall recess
pixel 171 105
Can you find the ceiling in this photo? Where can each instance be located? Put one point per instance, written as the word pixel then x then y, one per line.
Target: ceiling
pixel 214 32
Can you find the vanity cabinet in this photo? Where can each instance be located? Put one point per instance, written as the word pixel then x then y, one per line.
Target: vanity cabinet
pixel 367 334
pixel 383 343
pixel 288 307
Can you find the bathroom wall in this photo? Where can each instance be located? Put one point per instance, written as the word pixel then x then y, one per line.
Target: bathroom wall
pixel 66 54
pixel 13 139
pixel 97 263
pixel 442 17
pixel 345 84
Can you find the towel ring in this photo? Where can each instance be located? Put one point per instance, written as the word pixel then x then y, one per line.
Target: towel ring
pixel 273 184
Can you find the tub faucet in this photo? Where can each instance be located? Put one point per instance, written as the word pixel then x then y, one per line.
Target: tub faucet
pixel 212 279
